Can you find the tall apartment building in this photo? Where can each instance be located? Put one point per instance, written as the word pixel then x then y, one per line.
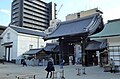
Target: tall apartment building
pixel 32 14
pixel 82 14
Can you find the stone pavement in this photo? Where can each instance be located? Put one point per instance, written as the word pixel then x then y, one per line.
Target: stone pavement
pixel 10 71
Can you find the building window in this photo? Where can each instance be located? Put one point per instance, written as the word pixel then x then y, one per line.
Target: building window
pixel 30 46
pixel 8 35
pixel 114 53
pixel 78 15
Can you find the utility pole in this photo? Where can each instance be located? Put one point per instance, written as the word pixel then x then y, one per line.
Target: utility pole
pixel 59 9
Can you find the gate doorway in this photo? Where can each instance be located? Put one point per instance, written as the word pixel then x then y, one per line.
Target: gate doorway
pixel 8 55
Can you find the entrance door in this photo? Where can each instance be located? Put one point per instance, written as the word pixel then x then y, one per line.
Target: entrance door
pixel 92 59
pixel 8 53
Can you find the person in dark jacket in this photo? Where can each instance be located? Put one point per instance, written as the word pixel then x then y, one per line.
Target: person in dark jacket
pixel 24 63
pixel 50 67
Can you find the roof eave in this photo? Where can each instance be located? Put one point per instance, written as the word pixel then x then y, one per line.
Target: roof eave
pixel 80 34
pixel 104 36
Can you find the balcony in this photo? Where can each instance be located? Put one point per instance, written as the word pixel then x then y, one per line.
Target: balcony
pixel 35 14
pixel 38 5
pixel 35 18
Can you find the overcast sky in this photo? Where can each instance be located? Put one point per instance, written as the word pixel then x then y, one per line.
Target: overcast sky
pixel 110 8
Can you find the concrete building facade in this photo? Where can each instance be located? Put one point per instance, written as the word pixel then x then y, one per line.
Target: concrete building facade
pixel 32 14
pixel 53 26
pixel 82 14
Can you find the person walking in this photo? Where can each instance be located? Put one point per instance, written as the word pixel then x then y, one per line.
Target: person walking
pixel 62 64
pixel 50 67
pixel 112 66
pixel 24 63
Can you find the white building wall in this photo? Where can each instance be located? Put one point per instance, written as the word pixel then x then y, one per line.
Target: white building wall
pixel 114 49
pixel 114 41
pixel 21 43
pixel 12 38
pixel 26 41
pixel 1 52
pixel 41 42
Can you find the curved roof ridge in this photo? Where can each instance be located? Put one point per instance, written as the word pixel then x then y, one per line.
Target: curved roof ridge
pixel 78 19
pixel 77 26
pixel 74 20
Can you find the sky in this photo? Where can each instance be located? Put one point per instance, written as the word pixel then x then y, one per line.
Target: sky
pixel 110 8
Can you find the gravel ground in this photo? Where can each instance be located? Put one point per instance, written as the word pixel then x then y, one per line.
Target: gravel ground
pixel 10 71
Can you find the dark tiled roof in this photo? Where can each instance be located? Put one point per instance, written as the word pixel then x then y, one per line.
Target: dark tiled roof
pixel 1 37
pixel 50 47
pixel 7 43
pixel 27 31
pixel 2 28
pixel 78 26
pixel 97 44
pixel 33 51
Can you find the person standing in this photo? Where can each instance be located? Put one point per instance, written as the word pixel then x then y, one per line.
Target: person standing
pixel 50 67
pixel 112 66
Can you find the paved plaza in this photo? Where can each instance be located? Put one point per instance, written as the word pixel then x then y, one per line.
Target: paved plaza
pixel 10 71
